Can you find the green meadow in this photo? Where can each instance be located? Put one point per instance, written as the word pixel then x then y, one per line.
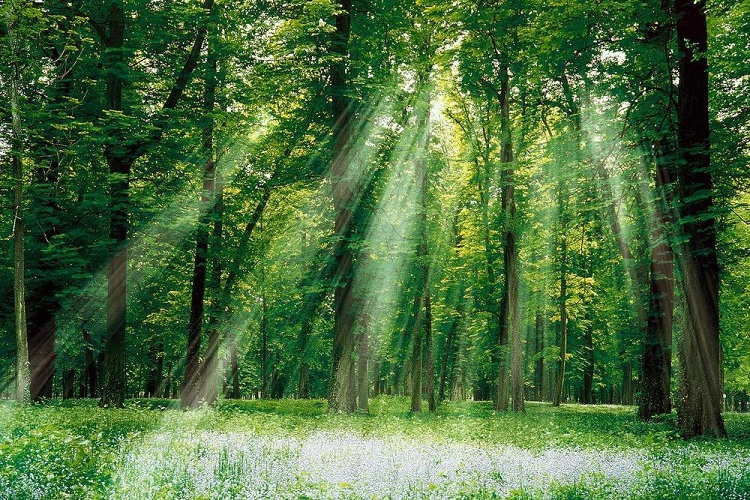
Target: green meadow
pixel 295 449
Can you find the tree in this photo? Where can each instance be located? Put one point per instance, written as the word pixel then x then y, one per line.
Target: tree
pixel 14 18
pixel 344 193
pixel 700 385
pixel 200 382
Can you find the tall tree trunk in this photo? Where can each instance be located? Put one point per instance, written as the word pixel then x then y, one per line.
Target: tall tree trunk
pixel 113 386
pixel 413 386
pixel 539 348
pixel 429 355
pixel 159 370
pixel 447 358
pixel 68 383
pixel 377 388
pixel 264 386
pixel 192 392
pixel 560 378
pixel 510 314
pixel 43 301
pixel 303 384
pixel 91 372
pixel 700 405
pixel 41 341
pixel 495 321
pixel 234 371
pixel 416 365
pixel 209 375
pixel 23 375
pixel 343 199
pixel 201 383
pixel 422 320
pixel 628 386
pixel 587 395
pixel 363 352
pixel 657 355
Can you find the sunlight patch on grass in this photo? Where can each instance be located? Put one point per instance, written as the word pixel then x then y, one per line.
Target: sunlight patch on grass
pixel 332 465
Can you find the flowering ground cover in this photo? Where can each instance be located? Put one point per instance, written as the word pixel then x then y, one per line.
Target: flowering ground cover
pixel 294 449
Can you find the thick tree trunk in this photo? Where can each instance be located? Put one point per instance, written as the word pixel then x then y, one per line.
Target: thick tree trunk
pixel 413 385
pixel 416 366
pixel 341 383
pixel 41 352
pixel 113 386
pixel 303 383
pixel 700 405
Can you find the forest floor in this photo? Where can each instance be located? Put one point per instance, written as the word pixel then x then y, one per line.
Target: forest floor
pixel 294 449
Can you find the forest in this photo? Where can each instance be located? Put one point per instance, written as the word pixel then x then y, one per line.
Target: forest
pixel 511 210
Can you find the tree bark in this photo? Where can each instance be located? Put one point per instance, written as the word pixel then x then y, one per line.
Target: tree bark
pixel 699 411
pixel 201 382
pixel 447 358
pixel 91 372
pixel 363 359
pixel 23 375
pixel 191 388
pixel 114 386
pixel 587 394
pixel 429 355
pixel 341 384
pixel 264 386
pixel 210 374
pixel 510 314
pixel 539 365
pixel 423 318
pixel 560 378
pixel 657 355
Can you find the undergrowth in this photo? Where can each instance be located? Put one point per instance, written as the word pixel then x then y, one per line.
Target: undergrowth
pixel 295 449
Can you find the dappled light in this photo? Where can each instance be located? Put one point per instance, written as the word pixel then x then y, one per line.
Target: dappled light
pixel 349 249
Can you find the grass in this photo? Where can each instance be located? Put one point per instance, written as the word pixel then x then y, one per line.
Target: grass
pixel 294 449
